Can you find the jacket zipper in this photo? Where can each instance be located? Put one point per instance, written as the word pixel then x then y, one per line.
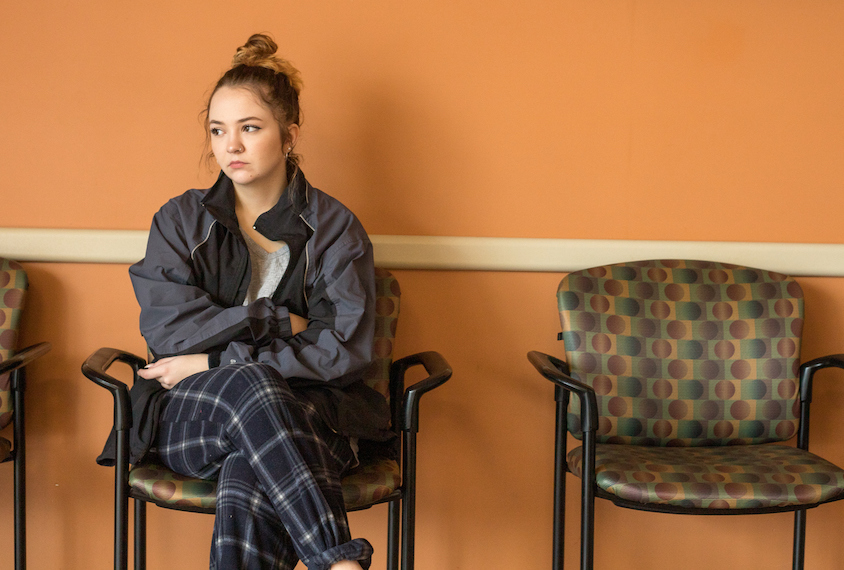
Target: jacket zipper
pixel 307 264
pixel 208 235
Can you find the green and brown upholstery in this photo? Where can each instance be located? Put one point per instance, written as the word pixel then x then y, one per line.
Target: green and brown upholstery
pixel 691 354
pixel 686 380
pixel 13 284
pixel 367 484
pixel 722 477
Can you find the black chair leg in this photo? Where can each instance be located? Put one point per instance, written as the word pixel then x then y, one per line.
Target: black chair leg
pixel 560 469
pixel 18 385
pixel 121 505
pixel 799 539
pixel 408 526
pixel 587 505
pixel 20 519
pixel 393 531
pixel 20 513
pixel 140 535
pixel 559 521
pixel 587 529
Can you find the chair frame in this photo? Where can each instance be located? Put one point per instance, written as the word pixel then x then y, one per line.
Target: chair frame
pixel 404 403
pixel 557 371
pixel 16 367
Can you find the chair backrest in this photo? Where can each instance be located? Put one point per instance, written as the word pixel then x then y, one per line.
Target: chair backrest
pixel 13 284
pixel 387 297
pixel 684 352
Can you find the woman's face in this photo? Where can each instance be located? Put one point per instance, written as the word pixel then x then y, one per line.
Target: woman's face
pixel 246 140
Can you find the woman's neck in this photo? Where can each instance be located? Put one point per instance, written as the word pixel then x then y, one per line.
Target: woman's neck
pixel 250 202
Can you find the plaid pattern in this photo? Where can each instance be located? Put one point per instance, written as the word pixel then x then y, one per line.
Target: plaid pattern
pixel 278 469
pixel 362 486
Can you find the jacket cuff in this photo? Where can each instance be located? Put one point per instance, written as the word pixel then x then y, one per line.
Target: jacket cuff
pixel 282 328
pixel 214 359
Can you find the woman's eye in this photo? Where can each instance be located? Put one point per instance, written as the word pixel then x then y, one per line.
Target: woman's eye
pixel 251 128
pixel 215 131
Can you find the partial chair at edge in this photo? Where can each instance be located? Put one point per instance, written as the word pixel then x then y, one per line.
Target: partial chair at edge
pixel 13 286
pixel 376 480
pixel 686 374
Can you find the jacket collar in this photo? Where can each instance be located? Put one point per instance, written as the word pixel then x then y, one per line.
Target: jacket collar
pixel 281 222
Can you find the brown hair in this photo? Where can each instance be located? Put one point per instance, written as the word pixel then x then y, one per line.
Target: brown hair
pixel 256 67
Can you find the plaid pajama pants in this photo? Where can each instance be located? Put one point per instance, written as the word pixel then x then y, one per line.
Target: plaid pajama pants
pixel 278 467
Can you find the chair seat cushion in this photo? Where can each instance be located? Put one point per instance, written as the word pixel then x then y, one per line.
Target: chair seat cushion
pixel 370 482
pixel 729 477
pixel 157 483
pixel 5 449
pixel 363 486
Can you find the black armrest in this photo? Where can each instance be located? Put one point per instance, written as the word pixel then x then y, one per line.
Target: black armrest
pixel 555 370
pixel 806 375
pixel 808 369
pixel 438 372
pixel 24 357
pixel 95 368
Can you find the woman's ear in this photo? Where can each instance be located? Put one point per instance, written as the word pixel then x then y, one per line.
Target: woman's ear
pixel 292 135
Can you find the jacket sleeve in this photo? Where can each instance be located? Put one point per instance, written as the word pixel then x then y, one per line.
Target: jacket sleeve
pixel 338 342
pixel 177 316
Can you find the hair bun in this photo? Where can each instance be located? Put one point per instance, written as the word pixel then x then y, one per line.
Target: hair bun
pixel 259 51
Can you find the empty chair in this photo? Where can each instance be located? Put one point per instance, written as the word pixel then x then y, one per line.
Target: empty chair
pixel 687 379
pixel 13 285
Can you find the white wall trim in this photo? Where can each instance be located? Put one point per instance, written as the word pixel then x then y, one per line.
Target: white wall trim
pixel 456 253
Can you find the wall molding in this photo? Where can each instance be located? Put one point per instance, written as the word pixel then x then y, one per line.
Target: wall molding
pixel 456 253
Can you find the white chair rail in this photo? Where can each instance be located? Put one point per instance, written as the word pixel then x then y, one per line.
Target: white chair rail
pixel 457 253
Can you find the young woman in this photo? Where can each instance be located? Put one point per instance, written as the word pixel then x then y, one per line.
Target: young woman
pixel 257 302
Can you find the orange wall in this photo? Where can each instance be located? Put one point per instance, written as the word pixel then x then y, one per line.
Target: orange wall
pixel 711 120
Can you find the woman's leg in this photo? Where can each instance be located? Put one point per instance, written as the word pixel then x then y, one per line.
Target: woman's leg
pixel 250 410
pixel 247 531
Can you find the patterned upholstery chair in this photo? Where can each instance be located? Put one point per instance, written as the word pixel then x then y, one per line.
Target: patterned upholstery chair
pixel 13 285
pixel 380 479
pixel 687 376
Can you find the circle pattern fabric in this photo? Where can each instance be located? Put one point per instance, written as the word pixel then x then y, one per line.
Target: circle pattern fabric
pixel 157 483
pixel 684 353
pixel 366 484
pixel 387 297
pixel 724 477
pixel 13 285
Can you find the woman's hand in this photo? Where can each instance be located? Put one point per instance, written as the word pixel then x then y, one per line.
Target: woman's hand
pixel 297 324
pixel 172 370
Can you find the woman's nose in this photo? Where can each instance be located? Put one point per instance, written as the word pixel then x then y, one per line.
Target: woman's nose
pixel 234 146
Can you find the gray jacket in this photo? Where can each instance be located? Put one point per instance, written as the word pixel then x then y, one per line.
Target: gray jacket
pixel 192 283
